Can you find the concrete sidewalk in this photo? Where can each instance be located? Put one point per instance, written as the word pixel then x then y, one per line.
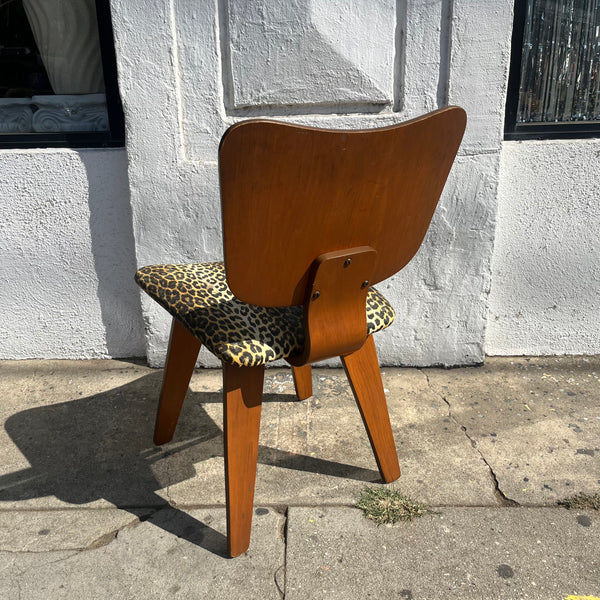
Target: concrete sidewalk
pixel 89 508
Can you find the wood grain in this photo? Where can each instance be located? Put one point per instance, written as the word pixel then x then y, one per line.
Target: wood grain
pixel 290 193
pixel 303 381
pixel 242 396
pixel 335 319
pixel 362 369
pixel 181 359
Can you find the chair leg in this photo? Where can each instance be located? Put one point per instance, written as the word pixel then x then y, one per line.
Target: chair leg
pixel 181 359
pixel 303 381
pixel 362 369
pixel 242 395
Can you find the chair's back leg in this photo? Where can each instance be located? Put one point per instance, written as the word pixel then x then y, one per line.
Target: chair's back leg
pixel 362 369
pixel 181 359
pixel 303 381
pixel 242 396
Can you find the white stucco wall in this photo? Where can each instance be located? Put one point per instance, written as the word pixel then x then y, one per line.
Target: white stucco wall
pixel 188 70
pixel 545 296
pixel 74 224
pixel 67 256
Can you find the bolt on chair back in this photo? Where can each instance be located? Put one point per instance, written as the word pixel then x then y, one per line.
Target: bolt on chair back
pixel 312 219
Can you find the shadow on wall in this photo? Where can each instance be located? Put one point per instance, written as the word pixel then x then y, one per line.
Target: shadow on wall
pixel 101 447
pixel 113 251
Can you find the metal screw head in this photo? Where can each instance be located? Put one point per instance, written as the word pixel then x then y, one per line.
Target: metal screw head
pixel 364 284
pixel 316 295
pixel 347 262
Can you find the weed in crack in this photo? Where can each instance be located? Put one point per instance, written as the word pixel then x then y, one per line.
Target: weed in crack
pixel 389 505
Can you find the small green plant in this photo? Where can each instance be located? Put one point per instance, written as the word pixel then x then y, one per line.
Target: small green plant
pixel 582 501
pixel 389 505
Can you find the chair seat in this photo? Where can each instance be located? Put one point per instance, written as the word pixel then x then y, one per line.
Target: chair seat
pixel 238 333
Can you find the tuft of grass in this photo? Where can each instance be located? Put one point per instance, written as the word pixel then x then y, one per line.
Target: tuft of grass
pixel 389 505
pixel 582 501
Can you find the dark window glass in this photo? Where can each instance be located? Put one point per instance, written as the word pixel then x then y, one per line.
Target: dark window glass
pixel 57 74
pixel 554 85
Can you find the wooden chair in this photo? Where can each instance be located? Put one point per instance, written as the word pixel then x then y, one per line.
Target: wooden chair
pixel 312 218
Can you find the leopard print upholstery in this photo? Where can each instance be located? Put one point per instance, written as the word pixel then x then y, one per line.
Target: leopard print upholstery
pixel 238 333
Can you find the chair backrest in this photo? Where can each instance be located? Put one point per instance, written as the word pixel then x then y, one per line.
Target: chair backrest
pixel 291 193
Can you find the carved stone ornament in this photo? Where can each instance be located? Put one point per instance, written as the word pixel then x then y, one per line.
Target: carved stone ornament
pixel 70 113
pixel 15 115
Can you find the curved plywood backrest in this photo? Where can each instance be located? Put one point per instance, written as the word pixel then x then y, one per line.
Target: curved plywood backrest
pixel 291 193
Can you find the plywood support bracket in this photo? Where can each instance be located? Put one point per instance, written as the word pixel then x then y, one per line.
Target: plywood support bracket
pixel 335 318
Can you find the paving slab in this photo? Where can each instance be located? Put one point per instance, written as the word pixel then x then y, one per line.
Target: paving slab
pixel 73 529
pixel 79 433
pixel 171 555
pixel 76 442
pixel 536 421
pixel 66 433
pixel 463 553
pixel 317 451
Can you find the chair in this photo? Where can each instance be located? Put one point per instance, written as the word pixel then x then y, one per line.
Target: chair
pixel 312 218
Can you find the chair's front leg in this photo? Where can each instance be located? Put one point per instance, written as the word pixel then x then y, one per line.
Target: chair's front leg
pixel 362 369
pixel 303 381
pixel 242 396
pixel 181 359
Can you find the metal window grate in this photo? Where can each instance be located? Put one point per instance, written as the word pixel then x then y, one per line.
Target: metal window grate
pixel 554 85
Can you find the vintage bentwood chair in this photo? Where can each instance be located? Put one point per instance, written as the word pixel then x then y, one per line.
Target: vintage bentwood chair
pixel 312 218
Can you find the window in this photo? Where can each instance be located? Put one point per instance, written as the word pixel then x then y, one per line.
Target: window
pixel 58 81
pixel 554 83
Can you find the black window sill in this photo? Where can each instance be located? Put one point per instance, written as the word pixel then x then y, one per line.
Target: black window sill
pixel 60 140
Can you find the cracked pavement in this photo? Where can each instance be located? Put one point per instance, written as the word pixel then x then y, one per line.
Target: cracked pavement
pixel 500 495
pixel 89 508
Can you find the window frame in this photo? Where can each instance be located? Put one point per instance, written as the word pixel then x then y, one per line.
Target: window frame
pixel 114 137
pixel 534 131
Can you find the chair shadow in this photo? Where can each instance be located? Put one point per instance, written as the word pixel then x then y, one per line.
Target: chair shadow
pixel 100 447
